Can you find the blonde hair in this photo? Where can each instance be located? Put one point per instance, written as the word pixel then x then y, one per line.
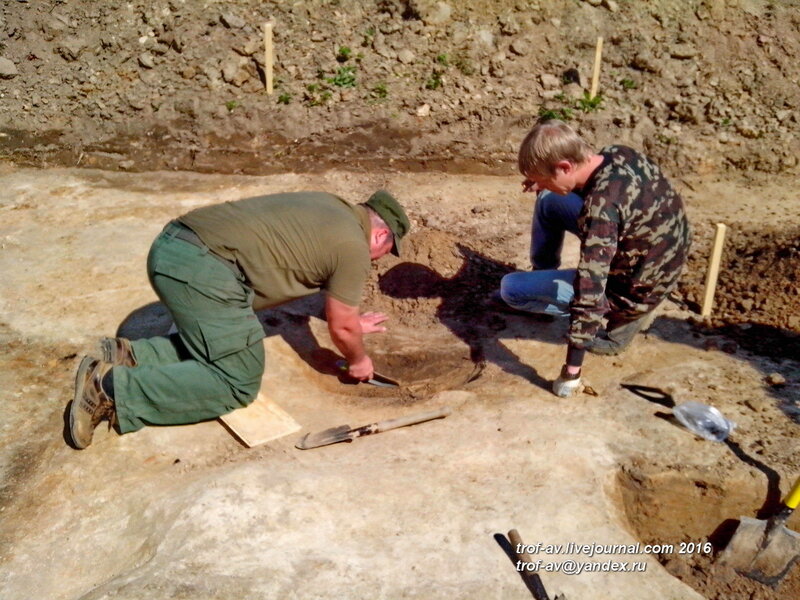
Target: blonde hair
pixel 548 143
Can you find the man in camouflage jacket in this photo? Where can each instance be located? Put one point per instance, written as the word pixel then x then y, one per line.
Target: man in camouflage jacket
pixel 634 236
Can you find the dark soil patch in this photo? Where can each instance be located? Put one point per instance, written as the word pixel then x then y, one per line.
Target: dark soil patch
pixel 757 300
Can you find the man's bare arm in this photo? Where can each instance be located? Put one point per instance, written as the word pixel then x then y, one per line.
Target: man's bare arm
pixel 344 325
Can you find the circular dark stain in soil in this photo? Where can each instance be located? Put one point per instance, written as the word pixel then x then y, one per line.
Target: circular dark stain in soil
pixel 441 362
pixel 438 324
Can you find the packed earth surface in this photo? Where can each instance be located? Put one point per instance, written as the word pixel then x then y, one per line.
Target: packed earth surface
pixel 117 117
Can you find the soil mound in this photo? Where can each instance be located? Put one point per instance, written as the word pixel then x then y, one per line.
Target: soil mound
pixel 180 85
pixel 757 302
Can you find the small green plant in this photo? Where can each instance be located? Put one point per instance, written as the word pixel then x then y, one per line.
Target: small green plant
pixel 369 35
pixel 562 97
pixel 343 55
pixel 665 139
pixel 464 65
pixel 563 114
pixel 628 84
pixel 231 104
pixel 315 97
pixel 587 104
pixel 726 122
pixel 379 91
pixel 435 82
pixel 443 60
pixel 345 77
pixel 317 94
pixel 285 98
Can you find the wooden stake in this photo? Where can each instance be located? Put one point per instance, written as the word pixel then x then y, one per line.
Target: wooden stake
pixel 268 56
pixel 598 53
pixel 713 270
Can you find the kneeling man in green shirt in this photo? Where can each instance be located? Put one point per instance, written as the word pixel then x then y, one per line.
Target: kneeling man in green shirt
pixel 213 268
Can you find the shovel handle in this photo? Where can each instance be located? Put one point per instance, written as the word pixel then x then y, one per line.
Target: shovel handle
pixel 532 580
pixel 411 419
pixel 516 542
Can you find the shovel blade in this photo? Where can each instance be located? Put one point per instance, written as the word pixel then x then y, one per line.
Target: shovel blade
pixel 334 435
pixel 765 560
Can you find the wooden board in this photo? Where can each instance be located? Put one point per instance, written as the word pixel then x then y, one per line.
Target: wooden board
pixel 260 422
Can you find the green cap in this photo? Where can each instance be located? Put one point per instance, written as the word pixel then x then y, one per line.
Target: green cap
pixel 388 209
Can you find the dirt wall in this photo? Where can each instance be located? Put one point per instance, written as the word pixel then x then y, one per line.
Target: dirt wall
pixel 701 85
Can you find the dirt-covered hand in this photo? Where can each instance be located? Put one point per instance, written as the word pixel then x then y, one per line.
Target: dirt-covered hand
pixel 567 385
pixel 370 322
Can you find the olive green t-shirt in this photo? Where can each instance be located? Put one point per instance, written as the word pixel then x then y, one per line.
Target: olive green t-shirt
pixel 290 245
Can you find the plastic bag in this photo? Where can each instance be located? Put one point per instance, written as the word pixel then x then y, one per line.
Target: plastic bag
pixel 706 421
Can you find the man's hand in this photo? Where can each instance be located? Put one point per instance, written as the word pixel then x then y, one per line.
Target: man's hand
pixel 370 322
pixel 567 384
pixel 361 369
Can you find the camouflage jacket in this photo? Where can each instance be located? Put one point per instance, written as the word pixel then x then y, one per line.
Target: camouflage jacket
pixel 634 241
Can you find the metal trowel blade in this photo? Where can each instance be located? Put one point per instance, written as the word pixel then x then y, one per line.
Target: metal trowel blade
pixel 382 381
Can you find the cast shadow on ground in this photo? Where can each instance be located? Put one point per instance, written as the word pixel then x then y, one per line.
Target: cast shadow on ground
pixel 651 394
pixel 748 342
pixel 723 533
pixel 292 321
pixel 465 312
pixel 532 580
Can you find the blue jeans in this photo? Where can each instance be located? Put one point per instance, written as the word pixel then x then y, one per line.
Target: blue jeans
pixel 547 289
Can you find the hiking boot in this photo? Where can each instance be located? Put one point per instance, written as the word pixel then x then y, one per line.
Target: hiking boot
pixel 118 352
pixel 619 335
pixel 90 404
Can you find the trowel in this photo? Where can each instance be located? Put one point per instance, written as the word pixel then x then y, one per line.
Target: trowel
pixel 344 433
pixel 765 550
pixel 377 379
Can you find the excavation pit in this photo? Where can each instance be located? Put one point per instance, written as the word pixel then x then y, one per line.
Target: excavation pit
pixel 692 512
pixel 422 362
pixel 438 322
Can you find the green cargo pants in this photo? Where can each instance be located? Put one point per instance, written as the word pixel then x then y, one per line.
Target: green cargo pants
pixel 214 363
